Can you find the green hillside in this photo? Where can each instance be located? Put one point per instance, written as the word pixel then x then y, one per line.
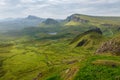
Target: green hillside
pixel 95 20
pixel 88 39
pixel 81 47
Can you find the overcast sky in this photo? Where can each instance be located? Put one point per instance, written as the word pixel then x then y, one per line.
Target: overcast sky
pixel 58 8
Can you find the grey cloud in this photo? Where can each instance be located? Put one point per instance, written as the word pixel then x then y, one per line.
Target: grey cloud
pixel 58 8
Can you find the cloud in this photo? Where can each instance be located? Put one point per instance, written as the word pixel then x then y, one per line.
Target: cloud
pixel 58 8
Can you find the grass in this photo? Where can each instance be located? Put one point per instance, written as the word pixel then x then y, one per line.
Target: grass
pixel 72 23
pixel 54 60
pixel 106 63
pixel 96 69
pixel 39 56
pixel 26 61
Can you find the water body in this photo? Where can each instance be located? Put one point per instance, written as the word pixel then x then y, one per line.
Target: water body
pixel 53 33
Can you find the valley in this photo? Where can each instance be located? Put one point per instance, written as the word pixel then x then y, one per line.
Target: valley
pixel 80 47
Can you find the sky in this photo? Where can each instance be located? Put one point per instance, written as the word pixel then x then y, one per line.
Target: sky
pixel 58 9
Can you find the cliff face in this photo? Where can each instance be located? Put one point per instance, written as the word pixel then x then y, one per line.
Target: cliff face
pixel 111 46
pixel 76 18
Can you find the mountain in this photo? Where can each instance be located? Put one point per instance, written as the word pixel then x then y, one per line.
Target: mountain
pixel 20 23
pixel 67 49
pixel 95 20
pixel 77 18
pixel 71 26
pixel 50 21
pixel 109 25
pixel 31 17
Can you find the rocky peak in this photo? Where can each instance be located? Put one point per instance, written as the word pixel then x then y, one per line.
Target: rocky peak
pixel 32 17
pixel 76 18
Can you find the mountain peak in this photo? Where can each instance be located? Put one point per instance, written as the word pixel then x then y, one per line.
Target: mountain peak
pixel 77 18
pixel 32 17
pixel 50 21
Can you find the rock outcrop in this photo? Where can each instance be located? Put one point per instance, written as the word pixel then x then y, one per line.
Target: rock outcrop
pixel 76 18
pixel 111 46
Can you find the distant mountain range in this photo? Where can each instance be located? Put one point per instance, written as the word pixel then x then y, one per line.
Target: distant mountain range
pixel 73 20
pixel 20 23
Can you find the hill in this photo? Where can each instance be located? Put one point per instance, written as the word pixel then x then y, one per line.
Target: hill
pixel 108 25
pixel 62 49
pixel 49 23
pixel 93 19
pixel 88 39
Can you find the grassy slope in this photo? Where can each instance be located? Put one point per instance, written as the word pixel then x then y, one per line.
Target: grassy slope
pixel 55 59
pixel 100 20
pixel 91 39
pixel 108 25
pixel 25 61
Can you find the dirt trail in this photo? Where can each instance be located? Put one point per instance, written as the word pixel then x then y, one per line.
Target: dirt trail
pixel 70 73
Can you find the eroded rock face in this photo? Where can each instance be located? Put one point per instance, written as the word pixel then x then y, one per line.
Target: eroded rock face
pixel 112 46
pixel 76 18
pixel 81 43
